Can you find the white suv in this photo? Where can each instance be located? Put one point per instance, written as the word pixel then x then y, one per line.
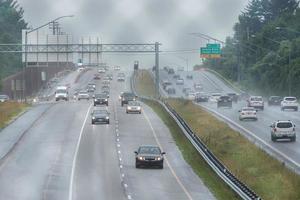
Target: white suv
pixel 247 113
pixel 256 102
pixel 289 103
pixel 283 130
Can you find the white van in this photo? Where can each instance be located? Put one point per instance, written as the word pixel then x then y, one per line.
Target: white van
pixel 61 92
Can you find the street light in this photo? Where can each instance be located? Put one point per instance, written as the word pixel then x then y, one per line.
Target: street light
pixel 25 59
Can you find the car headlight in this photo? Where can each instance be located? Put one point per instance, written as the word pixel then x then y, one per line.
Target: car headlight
pixel 105 99
pixel 107 117
pixel 158 158
pixel 141 158
pixel 129 107
pixel 93 118
pixel 139 108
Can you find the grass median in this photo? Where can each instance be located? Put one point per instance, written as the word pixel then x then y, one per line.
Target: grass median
pixel 8 110
pixel 261 172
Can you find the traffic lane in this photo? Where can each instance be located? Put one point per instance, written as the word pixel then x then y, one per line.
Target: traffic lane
pixel 155 183
pixel 39 166
pixel 12 133
pixel 261 128
pixel 97 174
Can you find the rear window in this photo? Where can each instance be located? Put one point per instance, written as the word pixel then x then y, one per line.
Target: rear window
pixel 284 125
pixel 248 109
pixel 290 99
pixel 256 99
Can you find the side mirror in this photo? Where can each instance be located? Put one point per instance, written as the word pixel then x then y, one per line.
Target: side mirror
pixel 271 126
pixel 163 153
pixel 136 152
pixel 239 111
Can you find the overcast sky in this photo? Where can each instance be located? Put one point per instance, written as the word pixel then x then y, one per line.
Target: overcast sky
pixel 136 21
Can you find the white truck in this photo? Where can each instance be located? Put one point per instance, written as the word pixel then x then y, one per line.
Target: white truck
pixel 61 92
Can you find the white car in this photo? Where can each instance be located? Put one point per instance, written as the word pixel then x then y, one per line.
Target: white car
pixel 3 98
pixel 101 70
pixel 283 130
pixel 117 68
pixel 191 95
pixel 179 81
pixel 289 103
pixel 134 107
pixel 247 113
pixel 198 86
pixel 83 95
pixel 214 97
pixel 256 102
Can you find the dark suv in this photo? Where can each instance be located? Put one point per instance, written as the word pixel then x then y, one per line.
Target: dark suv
pixel 149 155
pixel 100 99
pixel 224 101
pixel 274 100
pixel 126 97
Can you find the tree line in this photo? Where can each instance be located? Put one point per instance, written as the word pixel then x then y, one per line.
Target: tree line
pixel 11 25
pixel 264 51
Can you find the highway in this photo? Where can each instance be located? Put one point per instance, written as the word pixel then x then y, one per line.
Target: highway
pixel 54 152
pixel 256 131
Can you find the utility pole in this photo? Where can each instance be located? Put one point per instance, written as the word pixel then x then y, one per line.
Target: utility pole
pixel 157 69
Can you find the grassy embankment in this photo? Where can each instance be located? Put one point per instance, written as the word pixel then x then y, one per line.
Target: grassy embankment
pixel 9 110
pixel 265 175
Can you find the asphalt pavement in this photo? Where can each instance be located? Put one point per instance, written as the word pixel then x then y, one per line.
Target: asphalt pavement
pixel 257 131
pixel 54 152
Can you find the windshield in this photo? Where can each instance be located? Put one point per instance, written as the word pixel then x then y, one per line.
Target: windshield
pixel 104 112
pixel 61 91
pixel 149 150
pixel 103 96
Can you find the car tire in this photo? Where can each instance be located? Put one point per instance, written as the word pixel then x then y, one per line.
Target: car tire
pixel 137 166
pixel 140 112
pixel 273 138
pixel 296 109
pixel 108 122
pixel 78 99
pixel 161 166
pixel 293 139
pixel 122 104
pixel 93 122
pixel 94 104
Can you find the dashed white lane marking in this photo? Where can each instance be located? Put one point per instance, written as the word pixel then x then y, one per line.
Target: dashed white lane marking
pixel 75 155
pixel 169 165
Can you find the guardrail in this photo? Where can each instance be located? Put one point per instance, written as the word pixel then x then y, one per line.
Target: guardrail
pixel 233 182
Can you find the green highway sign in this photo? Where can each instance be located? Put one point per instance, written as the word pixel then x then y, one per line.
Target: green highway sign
pixel 211 51
pixel 213 46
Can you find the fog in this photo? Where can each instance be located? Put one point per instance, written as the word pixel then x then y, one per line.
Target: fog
pixel 136 21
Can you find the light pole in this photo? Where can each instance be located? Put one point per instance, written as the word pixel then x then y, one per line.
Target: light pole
pixel 26 49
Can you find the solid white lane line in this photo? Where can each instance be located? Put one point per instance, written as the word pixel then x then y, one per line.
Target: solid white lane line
pixel 168 163
pixel 252 135
pixel 75 155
